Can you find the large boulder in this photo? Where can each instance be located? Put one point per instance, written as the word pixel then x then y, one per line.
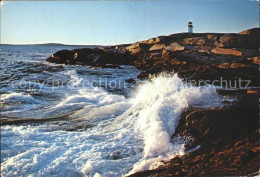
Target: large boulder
pixel 62 57
pixel 250 41
pixel 194 41
pixel 151 41
pixel 231 41
pixel 174 47
pixel 157 47
pixel 137 48
pixel 92 57
pixel 224 51
pixel 255 60
pixel 235 121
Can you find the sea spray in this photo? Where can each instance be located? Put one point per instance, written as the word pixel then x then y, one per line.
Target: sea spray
pixel 160 103
pixel 127 134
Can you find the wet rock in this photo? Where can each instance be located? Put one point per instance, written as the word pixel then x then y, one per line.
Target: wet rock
pixel 115 155
pixel 62 56
pixel 144 75
pixel 93 57
pixel 131 80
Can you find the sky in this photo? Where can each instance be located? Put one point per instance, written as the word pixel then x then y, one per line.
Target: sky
pixel 119 22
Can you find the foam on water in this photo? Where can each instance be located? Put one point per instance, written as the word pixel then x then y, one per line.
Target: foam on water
pixel 20 103
pixel 17 97
pixel 127 134
pixel 72 92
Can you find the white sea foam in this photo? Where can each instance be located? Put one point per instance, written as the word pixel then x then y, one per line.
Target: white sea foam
pixel 17 97
pixel 75 79
pixel 133 134
pixel 159 104
pixel 16 103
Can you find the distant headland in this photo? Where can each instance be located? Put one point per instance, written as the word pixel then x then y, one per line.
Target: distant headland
pixel 57 44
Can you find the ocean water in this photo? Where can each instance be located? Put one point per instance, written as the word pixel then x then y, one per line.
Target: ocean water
pixel 100 125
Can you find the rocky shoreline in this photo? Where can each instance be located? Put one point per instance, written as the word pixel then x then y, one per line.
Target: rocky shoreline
pixel 228 137
pixel 195 56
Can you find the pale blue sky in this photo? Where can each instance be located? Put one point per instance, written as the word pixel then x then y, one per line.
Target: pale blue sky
pixel 113 22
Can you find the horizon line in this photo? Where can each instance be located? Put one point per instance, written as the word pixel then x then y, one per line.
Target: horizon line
pixel 58 43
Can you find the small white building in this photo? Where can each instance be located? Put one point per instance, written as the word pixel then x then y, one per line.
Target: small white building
pixel 190 27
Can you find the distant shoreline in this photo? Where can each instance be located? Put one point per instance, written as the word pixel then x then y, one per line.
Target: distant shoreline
pixel 54 44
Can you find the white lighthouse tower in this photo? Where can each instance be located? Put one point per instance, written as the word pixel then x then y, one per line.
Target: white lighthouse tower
pixel 190 27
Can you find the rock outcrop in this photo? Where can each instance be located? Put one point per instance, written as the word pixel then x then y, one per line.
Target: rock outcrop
pixel 195 56
pixel 93 57
pixel 206 56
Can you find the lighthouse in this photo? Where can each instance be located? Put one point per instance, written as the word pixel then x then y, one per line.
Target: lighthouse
pixel 190 27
